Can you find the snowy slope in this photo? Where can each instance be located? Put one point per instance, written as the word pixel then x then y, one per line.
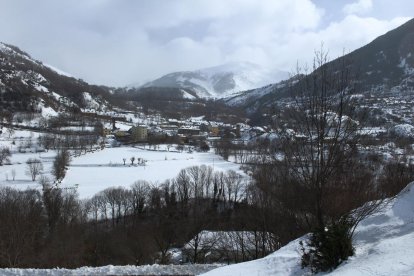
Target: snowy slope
pixel 384 246
pixel 251 96
pixel 12 51
pixel 220 81
pixel 57 70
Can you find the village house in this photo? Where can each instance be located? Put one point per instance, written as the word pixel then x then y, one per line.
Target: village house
pixel 189 130
pixel 122 136
pixel 169 128
pixel 106 131
pixel 214 130
pixel 139 133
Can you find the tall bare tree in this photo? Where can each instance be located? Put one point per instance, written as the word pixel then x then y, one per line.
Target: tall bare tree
pixel 34 168
pixel 321 179
pixel 320 144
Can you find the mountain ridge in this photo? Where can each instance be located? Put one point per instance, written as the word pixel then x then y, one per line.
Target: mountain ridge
pixel 220 81
pixel 27 84
pixel 386 64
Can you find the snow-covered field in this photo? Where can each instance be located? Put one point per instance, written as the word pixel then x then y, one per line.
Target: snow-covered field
pixel 96 171
pixel 25 140
pixel 384 245
pixel 18 164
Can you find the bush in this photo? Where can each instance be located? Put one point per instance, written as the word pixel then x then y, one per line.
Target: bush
pixel 327 248
pixel 4 155
pixel 204 147
pixel 62 160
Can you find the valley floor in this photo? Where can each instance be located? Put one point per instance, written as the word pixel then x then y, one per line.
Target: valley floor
pixel 102 169
pixel 97 170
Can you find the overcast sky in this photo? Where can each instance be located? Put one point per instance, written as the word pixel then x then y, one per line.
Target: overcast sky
pixel 119 42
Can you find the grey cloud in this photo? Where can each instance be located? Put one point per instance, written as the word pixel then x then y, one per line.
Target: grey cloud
pixel 121 42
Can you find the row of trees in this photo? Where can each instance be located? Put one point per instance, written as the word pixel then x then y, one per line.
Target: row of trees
pixel 76 142
pixel 193 184
pixel 118 225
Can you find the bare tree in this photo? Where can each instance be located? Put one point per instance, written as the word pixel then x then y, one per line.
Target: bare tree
pixel 320 145
pixel 10 131
pixel 320 150
pixel 233 184
pixel 93 206
pixel 52 200
pixel 116 198
pixel 196 182
pixel 34 168
pixel 132 160
pixel 140 196
pixel 183 185
pixel 22 220
pixel 13 172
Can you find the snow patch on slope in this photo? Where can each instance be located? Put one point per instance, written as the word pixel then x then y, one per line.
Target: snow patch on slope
pixel 187 95
pixel 91 102
pixel 57 70
pixel 403 130
pixel 12 52
pixel 408 70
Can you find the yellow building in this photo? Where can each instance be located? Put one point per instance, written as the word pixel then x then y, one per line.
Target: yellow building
pixel 139 133
pixel 214 130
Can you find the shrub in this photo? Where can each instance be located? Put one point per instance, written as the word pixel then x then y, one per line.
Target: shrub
pixel 204 147
pixel 327 248
pixel 4 155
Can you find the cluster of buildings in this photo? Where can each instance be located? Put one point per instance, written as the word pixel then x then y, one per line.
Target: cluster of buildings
pixel 186 131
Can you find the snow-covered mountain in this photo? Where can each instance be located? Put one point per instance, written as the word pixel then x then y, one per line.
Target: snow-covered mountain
pixel 386 65
pixel 27 84
pixel 220 81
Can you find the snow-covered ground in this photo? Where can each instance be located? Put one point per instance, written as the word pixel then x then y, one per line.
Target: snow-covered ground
pixel 195 269
pixel 384 245
pixel 26 141
pixel 96 171
pixel 19 166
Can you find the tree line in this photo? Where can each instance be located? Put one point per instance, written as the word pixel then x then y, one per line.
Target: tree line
pixel 137 225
